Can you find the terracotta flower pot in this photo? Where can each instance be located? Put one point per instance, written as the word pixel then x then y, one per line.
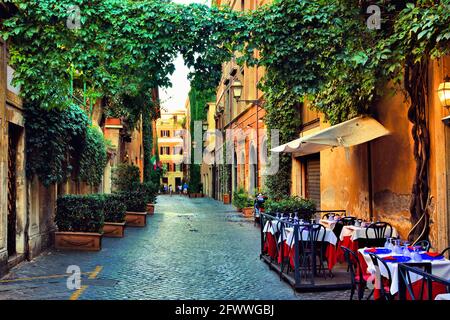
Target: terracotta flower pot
pixel 150 208
pixel 226 198
pixel 82 241
pixel 247 212
pixel 114 230
pixel 113 121
pixel 136 219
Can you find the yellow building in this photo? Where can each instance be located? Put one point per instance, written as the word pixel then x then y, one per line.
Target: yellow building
pixel 243 115
pixel 171 135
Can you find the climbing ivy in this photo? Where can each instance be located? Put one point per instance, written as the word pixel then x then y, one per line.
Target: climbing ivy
pixel 119 47
pixel 54 139
pixel 93 157
pixel 198 99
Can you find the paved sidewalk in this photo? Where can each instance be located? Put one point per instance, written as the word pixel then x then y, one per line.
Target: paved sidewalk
pixel 190 249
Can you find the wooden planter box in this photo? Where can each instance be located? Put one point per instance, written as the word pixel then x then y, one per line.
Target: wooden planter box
pixel 226 198
pixel 136 219
pixel 114 230
pixel 247 212
pixel 82 241
pixel 150 208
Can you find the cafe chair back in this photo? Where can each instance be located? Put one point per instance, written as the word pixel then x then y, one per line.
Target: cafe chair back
pixel 348 221
pixel 426 288
pixel 312 246
pixel 383 284
pixel 376 234
pixel 357 277
pixel 446 251
pixel 424 244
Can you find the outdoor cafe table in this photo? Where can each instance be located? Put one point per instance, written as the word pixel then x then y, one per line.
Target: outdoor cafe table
pixel 288 244
pixel 351 234
pixel 440 268
pixel 270 243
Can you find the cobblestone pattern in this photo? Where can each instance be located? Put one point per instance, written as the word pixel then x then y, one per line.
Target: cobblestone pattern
pixel 190 249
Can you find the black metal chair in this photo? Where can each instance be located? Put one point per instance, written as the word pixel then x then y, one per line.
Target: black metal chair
pixel 410 290
pixel 376 234
pixel 446 250
pixel 358 278
pixel 348 221
pixel 384 285
pixel 312 247
pixel 424 244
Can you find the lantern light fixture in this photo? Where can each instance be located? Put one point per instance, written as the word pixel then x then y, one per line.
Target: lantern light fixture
pixel 444 92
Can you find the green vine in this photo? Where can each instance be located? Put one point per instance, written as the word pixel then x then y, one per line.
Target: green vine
pixel 54 139
pixel 93 157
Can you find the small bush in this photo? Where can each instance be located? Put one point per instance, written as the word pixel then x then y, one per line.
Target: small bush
pixel 135 201
pixel 150 189
pixel 114 208
pixel 126 178
pixel 304 207
pixel 241 199
pixel 75 213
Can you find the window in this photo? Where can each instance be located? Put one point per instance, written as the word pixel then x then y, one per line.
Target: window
pixel 165 133
pixel 164 150
pixel 178 150
pixel 177 168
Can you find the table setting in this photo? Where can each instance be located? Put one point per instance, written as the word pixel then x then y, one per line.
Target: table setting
pixel 395 252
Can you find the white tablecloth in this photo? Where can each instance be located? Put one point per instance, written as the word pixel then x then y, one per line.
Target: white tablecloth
pixel 443 296
pixel 288 236
pixel 272 226
pixel 330 224
pixel 440 268
pixel 360 233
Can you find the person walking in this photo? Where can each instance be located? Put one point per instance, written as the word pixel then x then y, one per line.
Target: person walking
pixel 185 188
pixel 180 188
pixel 170 190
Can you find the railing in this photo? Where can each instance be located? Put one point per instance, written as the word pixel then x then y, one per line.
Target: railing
pixel 424 282
pixel 305 264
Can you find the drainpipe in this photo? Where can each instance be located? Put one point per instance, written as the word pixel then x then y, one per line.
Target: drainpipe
pixel 370 179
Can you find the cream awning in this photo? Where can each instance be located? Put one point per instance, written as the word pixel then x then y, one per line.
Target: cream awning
pixel 349 133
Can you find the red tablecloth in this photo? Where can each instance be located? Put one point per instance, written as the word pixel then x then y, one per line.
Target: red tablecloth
pixel 436 288
pixel 349 243
pixel 270 245
pixel 330 255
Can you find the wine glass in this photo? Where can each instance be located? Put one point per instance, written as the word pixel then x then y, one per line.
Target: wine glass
pixel 406 251
pixel 397 247
pixel 416 254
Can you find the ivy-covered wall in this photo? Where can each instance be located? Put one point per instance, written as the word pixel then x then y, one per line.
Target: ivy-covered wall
pixel 198 100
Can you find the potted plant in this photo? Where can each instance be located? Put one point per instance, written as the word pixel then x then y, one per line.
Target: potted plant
pixel 136 204
pixel 151 190
pixel 80 221
pixel 304 208
pixel 226 198
pixel 243 202
pixel 114 210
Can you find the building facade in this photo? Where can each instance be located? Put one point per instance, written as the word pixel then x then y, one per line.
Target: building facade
pixel 171 131
pixel 374 180
pixel 241 123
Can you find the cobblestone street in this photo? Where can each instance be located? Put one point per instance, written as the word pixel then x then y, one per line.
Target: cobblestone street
pixel 190 249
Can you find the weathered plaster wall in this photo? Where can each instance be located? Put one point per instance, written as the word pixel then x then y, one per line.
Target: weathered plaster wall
pixel 344 173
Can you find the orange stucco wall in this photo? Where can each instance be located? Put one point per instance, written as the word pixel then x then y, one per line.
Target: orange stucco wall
pixel 344 174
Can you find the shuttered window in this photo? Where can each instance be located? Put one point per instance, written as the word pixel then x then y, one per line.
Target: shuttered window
pixel 313 180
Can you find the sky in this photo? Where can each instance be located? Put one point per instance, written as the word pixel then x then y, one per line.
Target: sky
pixel 174 98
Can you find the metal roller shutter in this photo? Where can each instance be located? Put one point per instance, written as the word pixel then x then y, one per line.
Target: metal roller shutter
pixel 313 180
